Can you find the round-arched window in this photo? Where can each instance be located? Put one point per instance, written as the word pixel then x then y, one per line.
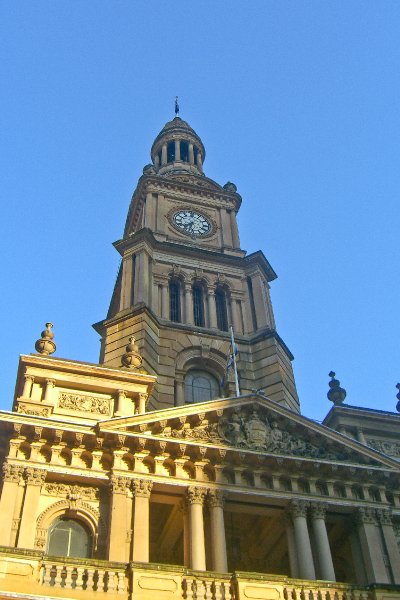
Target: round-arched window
pixel 68 537
pixel 200 386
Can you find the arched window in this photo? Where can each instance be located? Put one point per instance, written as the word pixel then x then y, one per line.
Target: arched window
pixel 221 308
pixel 198 305
pixel 68 537
pixel 200 386
pixel 185 151
pixel 171 152
pixel 175 301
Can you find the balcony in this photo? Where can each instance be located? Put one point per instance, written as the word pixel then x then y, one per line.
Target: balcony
pixel 27 573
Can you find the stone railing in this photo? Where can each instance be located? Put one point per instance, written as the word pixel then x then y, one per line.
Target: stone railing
pixel 73 575
pixel 33 572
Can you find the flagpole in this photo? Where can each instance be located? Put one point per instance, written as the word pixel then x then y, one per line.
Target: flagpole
pixel 234 363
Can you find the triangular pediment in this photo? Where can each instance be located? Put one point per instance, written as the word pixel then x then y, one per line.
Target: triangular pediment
pixel 249 424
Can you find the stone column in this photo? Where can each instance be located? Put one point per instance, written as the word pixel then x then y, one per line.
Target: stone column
pixel 119 402
pixel 212 310
pixel 34 481
pixel 371 546
pixel 298 510
pixel 294 565
pixel 218 540
pixel 389 537
pixel 259 300
pixel 128 274
pixel 177 150
pixel 236 320
pixel 361 436
pixel 120 519
pixel 26 392
pixel 48 394
pixel 164 154
pixel 142 403
pixel 195 498
pixel 323 550
pixel 150 211
pixel 164 301
pixel 235 232
pixel 184 508
pixel 11 477
pixel 191 153
pixel 199 161
pixel 189 317
pixel 180 389
pixel 141 521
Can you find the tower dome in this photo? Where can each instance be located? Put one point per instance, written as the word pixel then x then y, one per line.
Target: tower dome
pixel 178 148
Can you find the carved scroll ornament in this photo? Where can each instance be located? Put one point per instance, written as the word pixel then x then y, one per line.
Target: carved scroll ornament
pixel 83 403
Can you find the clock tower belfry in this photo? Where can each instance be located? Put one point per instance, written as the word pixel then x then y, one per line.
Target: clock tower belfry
pixel 184 280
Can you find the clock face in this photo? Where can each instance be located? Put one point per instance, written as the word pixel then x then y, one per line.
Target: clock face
pixel 191 223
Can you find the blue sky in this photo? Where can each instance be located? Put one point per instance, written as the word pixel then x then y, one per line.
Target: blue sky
pixel 297 103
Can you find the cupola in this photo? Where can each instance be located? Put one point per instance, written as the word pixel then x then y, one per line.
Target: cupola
pixel 178 148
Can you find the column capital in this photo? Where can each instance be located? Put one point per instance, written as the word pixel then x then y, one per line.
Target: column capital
pixel 298 508
pixel 366 515
pixel 51 382
pixel 196 495
pixel 142 487
pixel 318 510
pixel 215 498
pixel 384 516
pixel 29 377
pixel 35 476
pixel 119 484
pixel 12 473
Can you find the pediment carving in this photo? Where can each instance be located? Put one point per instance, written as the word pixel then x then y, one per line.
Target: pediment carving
pixel 255 430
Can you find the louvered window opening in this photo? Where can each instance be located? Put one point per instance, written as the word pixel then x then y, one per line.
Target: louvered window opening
pixel 198 306
pixel 175 301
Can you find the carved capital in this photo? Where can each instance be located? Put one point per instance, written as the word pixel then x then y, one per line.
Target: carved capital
pixel 142 487
pixel 196 495
pixel 298 508
pixel 384 516
pixel 35 476
pixel 119 484
pixel 366 515
pixel 318 510
pixel 12 473
pixel 215 498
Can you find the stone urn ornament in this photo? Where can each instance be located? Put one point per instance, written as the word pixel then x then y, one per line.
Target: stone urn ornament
pixel 46 345
pixel 131 359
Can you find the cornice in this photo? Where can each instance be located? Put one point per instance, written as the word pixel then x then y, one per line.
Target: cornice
pixel 256 259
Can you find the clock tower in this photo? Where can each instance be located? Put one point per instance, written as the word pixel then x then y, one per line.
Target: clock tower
pixel 184 281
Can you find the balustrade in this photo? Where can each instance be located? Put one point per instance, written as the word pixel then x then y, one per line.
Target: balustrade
pixel 79 577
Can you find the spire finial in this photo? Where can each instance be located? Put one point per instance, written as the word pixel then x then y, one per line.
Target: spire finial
pixel 336 394
pixel 131 359
pixel 46 345
pixel 398 397
pixel 176 106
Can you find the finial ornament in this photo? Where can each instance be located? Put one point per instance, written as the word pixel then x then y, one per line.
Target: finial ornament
pixel 398 397
pixel 46 345
pixel 176 106
pixel 131 359
pixel 336 394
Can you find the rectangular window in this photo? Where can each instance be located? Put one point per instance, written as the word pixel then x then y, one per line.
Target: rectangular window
pixel 175 301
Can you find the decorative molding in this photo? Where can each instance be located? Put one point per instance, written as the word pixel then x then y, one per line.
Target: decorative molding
pixel 119 484
pixel 215 498
pixel 79 491
pixel 253 430
pixel 34 410
pixel 83 403
pixel 384 516
pixel 318 510
pixel 12 473
pixel 142 487
pixel 35 476
pixel 196 495
pixel 298 508
pixel 385 446
pixel 366 515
